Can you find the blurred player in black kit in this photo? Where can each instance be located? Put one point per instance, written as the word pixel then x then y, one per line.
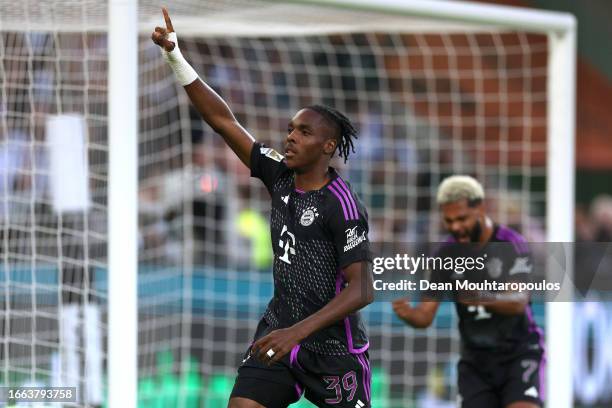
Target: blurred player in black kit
pixel 502 356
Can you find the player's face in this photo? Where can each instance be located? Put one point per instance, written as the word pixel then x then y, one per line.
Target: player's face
pixel 462 221
pixel 309 140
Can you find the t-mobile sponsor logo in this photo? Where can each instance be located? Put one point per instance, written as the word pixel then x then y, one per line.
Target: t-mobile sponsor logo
pixel 288 244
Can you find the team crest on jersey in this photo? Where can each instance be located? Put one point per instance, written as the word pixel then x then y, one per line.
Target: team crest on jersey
pixel 494 267
pixel 271 153
pixel 353 238
pixel 308 216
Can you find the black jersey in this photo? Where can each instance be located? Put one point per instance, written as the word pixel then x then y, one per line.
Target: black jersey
pixel 315 234
pixel 507 259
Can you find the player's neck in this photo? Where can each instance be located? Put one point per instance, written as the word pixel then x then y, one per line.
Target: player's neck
pixel 315 179
pixel 487 230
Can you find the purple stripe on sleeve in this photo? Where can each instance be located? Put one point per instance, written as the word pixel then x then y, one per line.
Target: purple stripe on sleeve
pixel 333 190
pixel 352 215
pixel 297 190
pixel 351 198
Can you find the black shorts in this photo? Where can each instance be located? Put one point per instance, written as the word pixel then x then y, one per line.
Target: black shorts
pixel 326 381
pixel 491 382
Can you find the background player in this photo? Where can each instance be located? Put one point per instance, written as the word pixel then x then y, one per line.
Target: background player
pixel 309 338
pixel 502 357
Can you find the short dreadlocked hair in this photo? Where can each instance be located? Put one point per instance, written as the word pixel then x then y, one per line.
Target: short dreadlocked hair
pixel 346 131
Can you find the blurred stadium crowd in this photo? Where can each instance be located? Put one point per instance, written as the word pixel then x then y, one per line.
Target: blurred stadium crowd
pixel 217 201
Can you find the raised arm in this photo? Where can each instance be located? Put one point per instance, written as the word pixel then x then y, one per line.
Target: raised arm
pixel 213 109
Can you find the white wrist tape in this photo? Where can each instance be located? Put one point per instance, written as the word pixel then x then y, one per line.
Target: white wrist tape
pixel 185 74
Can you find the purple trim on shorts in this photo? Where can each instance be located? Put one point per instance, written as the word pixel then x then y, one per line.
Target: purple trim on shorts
pixel 365 374
pixel 297 190
pixel 518 241
pixel 542 378
pixel 351 199
pixel 333 190
pixel 533 327
pixel 298 390
pixel 369 377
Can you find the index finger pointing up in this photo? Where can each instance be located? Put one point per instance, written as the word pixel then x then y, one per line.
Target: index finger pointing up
pixel 168 21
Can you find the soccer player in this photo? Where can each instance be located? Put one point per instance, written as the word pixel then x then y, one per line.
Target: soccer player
pixel 311 339
pixel 502 356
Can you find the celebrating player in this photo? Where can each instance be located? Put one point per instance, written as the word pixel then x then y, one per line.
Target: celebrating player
pixel 502 357
pixel 310 338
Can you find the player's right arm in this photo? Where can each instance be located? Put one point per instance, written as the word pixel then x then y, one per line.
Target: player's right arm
pixel 420 316
pixel 213 109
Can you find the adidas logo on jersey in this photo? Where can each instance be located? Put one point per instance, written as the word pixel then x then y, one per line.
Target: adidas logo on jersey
pixel 532 392
pixel 285 199
pixel 359 404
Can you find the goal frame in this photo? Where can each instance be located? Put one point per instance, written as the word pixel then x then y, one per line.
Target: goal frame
pixel 123 168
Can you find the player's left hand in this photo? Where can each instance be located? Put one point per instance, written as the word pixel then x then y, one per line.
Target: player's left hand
pixel 402 308
pixel 161 35
pixel 280 341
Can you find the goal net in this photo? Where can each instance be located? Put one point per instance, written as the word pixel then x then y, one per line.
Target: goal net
pixel 430 98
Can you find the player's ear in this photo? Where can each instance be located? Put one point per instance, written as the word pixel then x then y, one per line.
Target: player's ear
pixel 480 209
pixel 330 146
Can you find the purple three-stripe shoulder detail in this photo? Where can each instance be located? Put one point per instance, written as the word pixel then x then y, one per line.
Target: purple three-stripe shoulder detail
pixel 518 241
pixel 339 197
pixel 350 196
pixel 340 190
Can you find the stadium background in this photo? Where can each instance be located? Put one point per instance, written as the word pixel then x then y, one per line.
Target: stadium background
pixel 226 213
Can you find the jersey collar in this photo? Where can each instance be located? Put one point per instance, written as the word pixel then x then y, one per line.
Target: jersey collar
pixel 333 175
